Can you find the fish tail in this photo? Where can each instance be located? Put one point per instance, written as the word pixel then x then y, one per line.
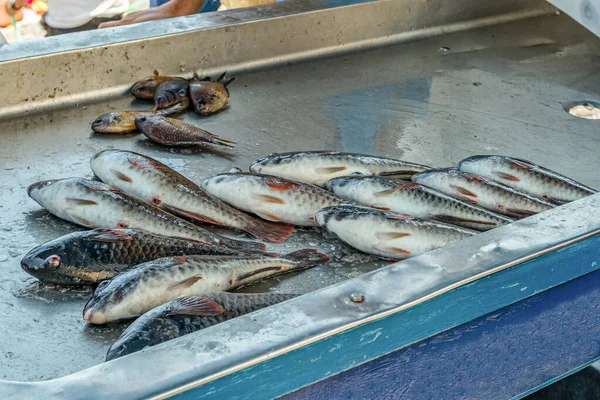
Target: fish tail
pixel 308 257
pixel 247 246
pixel 269 231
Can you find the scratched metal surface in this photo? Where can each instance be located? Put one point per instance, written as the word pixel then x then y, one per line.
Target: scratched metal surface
pixel 496 90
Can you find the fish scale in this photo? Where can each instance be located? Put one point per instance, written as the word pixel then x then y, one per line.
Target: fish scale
pixel 136 291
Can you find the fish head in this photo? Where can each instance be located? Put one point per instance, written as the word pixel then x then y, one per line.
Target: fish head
pixel 39 190
pixel 343 184
pixel 272 163
pixel 434 177
pixel 482 164
pixel 110 122
pixel 52 261
pixel 147 123
pixel 170 94
pixel 148 330
pixel 208 97
pixel 145 88
pixel 220 185
pixel 107 302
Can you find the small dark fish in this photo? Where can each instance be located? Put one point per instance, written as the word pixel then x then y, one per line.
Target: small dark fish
pixel 482 192
pixel 172 97
pixel 527 177
pixel 317 167
pixel 146 88
pixel 151 284
pixel 416 200
pixel 173 132
pixel 209 97
pixel 186 315
pixel 89 257
pixel 387 234
pixel 96 205
pixel 119 122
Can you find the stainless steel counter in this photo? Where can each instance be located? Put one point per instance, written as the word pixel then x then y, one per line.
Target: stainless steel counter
pixel 494 89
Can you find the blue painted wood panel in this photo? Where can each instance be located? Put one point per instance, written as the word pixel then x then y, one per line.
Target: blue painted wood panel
pixel 329 357
pixel 498 356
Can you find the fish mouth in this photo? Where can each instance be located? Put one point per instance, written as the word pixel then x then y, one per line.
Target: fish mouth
pixel 322 217
pixel 256 166
pixel 91 315
pixel 38 186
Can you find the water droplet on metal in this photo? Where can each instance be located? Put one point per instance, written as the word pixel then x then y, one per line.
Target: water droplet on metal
pixel 444 48
pixel 357 297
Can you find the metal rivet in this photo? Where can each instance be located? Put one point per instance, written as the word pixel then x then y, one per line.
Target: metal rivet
pixel 357 297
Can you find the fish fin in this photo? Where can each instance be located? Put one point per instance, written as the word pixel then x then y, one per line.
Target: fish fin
pixel 450 219
pixel 391 235
pixel 506 176
pixel 381 208
pixel 398 251
pixel 278 185
pixel 81 202
pixel 222 76
pixel 554 201
pixel 222 142
pixel 330 170
pixel 389 192
pixel 110 236
pixel 463 191
pixel 521 213
pixel 121 176
pixel 186 283
pixel 264 214
pixel 195 305
pixel 80 220
pixel 520 164
pixel 473 178
pixel 269 231
pixel 401 217
pixel 260 270
pixel 189 214
pixel 308 257
pixel 400 173
pixel 244 245
pixel 269 199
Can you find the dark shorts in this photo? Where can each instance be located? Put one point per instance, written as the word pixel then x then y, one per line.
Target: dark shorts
pixel 93 24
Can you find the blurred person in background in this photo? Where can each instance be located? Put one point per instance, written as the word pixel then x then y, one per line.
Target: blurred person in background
pixel 65 16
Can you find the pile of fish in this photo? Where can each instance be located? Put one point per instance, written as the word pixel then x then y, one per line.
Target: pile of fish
pixel 150 261
pixel 171 95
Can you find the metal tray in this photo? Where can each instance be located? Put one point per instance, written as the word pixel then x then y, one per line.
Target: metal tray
pixel 489 78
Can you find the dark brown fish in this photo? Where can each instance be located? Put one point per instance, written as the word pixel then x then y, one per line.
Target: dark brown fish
pixel 209 97
pixel 172 97
pixel 146 88
pixel 173 132
pixel 186 315
pixel 118 122
pixel 89 257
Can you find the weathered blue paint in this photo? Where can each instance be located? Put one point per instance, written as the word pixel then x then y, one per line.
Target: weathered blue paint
pixel 339 353
pixel 498 356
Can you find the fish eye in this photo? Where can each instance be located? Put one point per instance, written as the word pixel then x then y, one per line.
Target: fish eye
pixel 53 261
pixel 101 286
pixel 159 99
pixel 142 119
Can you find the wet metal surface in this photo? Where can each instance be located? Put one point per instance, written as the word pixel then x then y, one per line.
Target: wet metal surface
pixel 497 90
